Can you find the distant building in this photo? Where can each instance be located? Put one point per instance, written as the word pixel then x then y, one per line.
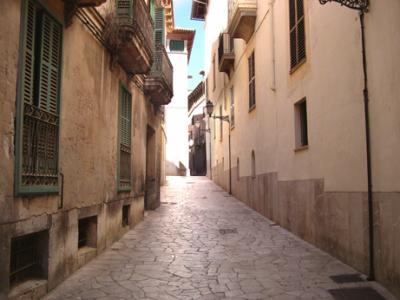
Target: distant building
pixel 83 84
pixel 289 74
pixel 179 47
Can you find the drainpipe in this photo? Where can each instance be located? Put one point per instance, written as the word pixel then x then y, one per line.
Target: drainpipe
pixel 371 275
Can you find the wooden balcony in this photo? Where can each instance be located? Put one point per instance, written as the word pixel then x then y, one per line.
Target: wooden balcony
pixel 226 53
pixel 242 16
pixel 130 36
pixel 158 85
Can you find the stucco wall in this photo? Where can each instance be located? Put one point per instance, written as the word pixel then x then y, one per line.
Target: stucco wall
pixel 88 150
pixel 332 81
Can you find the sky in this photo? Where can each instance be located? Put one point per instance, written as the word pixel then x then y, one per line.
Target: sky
pixel 182 11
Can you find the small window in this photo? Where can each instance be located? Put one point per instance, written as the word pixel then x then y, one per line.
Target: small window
pixel 87 232
pixel 221 125
pixel 232 95
pixel 126 209
pixel 253 164
pixel 238 169
pixel 214 73
pixel 176 46
pixel 297 33
pixel 252 82
pixel 29 256
pixel 301 126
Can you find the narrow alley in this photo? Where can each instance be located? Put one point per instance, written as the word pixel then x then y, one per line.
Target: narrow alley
pixel 204 244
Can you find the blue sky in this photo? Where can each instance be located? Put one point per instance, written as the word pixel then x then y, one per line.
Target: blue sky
pixel 182 10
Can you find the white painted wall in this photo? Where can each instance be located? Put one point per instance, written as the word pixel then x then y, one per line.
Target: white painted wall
pixel 176 113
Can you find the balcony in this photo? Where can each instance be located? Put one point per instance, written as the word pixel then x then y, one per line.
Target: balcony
pixel 89 3
pixel 158 85
pixel 226 54
pixel 129 36
pixel 242 16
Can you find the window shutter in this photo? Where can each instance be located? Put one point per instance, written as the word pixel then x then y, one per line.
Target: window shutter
pixel 152 7
pixel 297 32
pixel 159 22
pixel 49 72
pixel 124 11
pixel 29 53
pixel 125 140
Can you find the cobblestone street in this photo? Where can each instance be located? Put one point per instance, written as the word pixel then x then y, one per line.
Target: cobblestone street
pixel 203 244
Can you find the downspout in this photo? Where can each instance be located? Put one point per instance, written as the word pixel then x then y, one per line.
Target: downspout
pixel 371 275
pixel 272 26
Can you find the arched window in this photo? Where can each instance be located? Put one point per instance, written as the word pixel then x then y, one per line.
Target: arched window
pixel 253 164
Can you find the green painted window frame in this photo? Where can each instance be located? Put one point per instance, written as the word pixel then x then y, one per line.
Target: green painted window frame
pixel 124 141
pixel 176 46
pixel 30 95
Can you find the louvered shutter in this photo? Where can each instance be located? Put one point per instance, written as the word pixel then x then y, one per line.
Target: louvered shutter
pixel 159 26
pixel 124 11
pixel 125 123
pixel 297 32
pixel 151 8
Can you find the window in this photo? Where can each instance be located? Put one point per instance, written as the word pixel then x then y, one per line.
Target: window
pixel 297 33
pixel 124 11
pixel 215 128
pixel 159 20
pixel 252 82
pixel 221 125
pixel 253 164
pixel 301 127
pixel 126 209
pixel 29 257
pixel 125 113
pixel 232 95
pixel 38 102
pixel 87 232
pixel 175 45
pixel 214 79
pixel 238 169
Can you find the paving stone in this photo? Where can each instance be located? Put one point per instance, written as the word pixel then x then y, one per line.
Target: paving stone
pixel 177 252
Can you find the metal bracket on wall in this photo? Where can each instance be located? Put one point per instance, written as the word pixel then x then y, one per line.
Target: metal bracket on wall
pixel 353 4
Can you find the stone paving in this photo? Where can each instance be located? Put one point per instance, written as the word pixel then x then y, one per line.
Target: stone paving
pixel 203 244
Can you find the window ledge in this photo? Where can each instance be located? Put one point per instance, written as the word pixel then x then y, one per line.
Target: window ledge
pixel 298 66
pixel 252 108
pixel 301 148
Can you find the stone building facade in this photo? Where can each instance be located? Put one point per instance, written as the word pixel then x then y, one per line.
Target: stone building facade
pixel 290 76
pixel 82 89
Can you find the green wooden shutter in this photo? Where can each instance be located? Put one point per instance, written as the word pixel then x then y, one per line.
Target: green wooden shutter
pixel 159 26
pixel 29 53
pixel 152 8
pixel 49 72
pixel 124 11
pixel 125 123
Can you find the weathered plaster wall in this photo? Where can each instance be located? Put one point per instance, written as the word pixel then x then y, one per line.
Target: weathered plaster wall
pixel 88 150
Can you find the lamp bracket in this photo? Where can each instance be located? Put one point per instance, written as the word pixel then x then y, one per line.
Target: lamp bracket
pixel 361 5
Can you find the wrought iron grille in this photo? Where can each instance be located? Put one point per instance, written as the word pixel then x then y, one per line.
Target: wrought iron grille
pixel 40 147
pixel 25 258
pixel 162 66
pixel 125 166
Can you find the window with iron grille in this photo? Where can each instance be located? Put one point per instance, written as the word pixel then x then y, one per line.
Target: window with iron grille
pixel 232 107
pixel 87 232
pixel 125 145
pixel 297 33
pixel 125 215
pixel 124 11
pixel 28 257
pixel 252 81
pixel 38 101
pixel 301 126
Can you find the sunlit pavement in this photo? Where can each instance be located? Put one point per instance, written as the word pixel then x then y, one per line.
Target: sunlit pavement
pixel 203 244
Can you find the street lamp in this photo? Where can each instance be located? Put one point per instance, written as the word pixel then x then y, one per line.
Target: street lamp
pixel 362 6
pixel 210 109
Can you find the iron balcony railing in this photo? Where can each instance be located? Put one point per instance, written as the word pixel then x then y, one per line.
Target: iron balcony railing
pixel 140 22
pixel 162 67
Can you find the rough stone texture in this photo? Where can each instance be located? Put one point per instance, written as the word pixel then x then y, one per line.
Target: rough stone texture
pixel 178 252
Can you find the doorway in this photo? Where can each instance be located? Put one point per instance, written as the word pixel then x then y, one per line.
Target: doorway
pixel 150 199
